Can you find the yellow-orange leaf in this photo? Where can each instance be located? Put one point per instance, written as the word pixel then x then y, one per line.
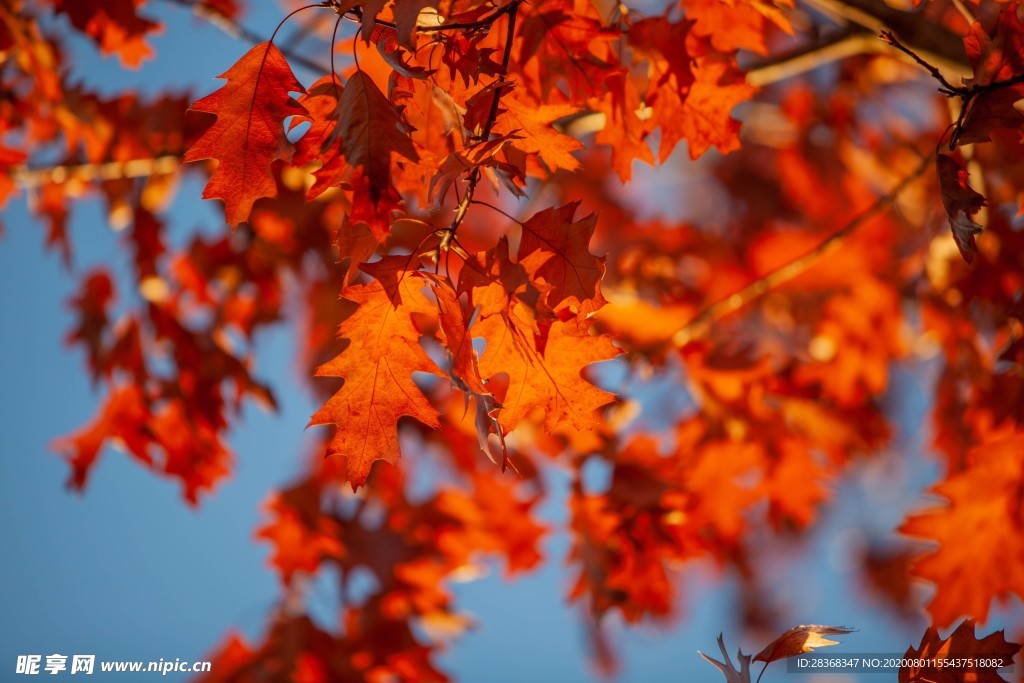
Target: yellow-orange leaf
pixel 377 367
pixel 544 373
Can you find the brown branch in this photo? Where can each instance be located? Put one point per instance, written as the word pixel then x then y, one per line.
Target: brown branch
pixel 850 42
pixel 28 177
pixel 701 323
pixel 891 39
pixel 939 45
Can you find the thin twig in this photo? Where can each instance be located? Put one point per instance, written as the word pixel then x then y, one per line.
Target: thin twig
pixel 701 323
pixel 492 115
pixel 889 37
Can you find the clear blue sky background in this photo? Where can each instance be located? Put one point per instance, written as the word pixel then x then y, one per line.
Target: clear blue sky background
pixel 129 572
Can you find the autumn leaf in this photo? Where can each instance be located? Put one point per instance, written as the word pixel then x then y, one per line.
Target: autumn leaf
pixel 545 373
pixel 738 24
pixel 249 132
pixel 962 644
pixel 533 132
pixel 555 249
pixel 704 118
pixel 798 640
pixel 996 58
pixel 369 130
pixel 494 282
pixel 298 549
pixel 961 202
pixel 124 417
pixel 114 25
pixel 986 496
pixel 318 144
pixel 464 370
pixel 377 367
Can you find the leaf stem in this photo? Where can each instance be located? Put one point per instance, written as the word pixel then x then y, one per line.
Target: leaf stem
pixel 485 134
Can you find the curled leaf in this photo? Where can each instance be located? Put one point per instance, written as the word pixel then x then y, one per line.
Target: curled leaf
pixel 961 202
pixel 800 639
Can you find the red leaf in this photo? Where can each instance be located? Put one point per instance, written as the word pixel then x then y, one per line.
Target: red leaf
pixel 556 249
pixel 961 644
pixel 969 569
pixel 961 202
pixel 249 132
pixel 113 25
pixel 370 130
pixel 996 57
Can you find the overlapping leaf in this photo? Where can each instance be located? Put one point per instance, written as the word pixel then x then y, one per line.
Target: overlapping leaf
pixel 377 365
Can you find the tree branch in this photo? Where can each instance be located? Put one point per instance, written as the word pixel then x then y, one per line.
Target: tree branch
pixel 28 177
pixel 701 323
pixel 850 42
pixel 939 45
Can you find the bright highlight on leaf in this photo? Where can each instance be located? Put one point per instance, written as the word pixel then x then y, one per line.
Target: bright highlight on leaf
pixel 800 639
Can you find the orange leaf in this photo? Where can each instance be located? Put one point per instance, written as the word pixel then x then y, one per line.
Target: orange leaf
pixel 377 366
pixel 544 376
pixel 981 550
pixel 114 25
pixel 533 133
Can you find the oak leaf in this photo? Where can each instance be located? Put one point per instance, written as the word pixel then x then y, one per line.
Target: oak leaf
pixel 969 569
pixel 464 370
pixel 377 367
pixel 961 644
pixel 996 58
pixel 249 132
pixel 533 132
pixel 737 24
pixel 731 673
pixel 321 104
pixel 555 249
pixel 544 372
pixel 704 118
pixel 114 25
